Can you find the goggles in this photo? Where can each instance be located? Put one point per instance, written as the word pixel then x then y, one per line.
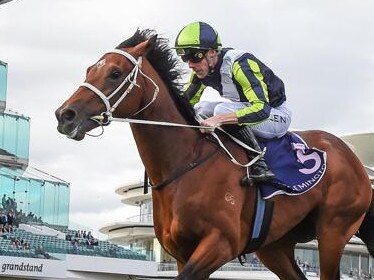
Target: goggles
pixel 192 55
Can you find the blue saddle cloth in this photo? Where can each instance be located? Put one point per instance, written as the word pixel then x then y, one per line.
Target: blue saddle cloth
pixel 297 167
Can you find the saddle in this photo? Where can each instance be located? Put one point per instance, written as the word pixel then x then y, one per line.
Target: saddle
pixel 297 167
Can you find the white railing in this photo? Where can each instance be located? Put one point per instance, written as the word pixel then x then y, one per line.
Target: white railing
pixel 144 218
pixel 171 266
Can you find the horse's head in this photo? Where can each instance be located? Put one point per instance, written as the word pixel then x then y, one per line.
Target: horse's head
pixel 112 86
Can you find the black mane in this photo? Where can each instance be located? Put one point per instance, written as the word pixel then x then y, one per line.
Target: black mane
pixel 166 63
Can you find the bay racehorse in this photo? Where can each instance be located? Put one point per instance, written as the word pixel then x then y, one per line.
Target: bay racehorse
pixel 193 219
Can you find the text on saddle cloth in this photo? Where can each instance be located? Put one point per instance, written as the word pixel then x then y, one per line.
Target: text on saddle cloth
pixel 297 167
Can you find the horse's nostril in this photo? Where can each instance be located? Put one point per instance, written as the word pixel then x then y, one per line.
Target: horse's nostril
pixel 68 115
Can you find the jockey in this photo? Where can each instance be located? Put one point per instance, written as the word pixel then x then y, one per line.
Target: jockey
pixel 256 99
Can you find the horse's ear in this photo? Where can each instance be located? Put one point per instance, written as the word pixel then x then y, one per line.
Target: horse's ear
pixel 152 40
pixel 143 48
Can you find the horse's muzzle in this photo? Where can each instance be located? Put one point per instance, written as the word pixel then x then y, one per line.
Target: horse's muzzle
pixel 68 123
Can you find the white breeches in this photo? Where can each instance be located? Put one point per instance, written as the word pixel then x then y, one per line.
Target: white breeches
pixel 274 127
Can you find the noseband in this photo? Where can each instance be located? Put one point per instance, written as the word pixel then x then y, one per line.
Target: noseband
pixel 105 117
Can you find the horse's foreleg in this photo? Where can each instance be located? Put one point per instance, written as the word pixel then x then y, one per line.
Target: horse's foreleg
pixel 180 266
pixel 210 254
pixel 331 245
pixel 335 228
pixel 280 259
pixel 332 238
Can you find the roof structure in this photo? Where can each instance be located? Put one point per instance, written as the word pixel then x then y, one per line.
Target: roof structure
pixel 363 146
pixel 4 1
pixel 30 173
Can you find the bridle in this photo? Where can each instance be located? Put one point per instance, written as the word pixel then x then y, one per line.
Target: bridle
pixel 105 117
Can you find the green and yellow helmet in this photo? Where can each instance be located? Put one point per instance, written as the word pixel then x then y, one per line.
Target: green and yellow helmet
pixel 197 35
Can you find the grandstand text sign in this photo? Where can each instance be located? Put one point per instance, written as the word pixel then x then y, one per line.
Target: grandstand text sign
pixel 21 267
pixel 42 268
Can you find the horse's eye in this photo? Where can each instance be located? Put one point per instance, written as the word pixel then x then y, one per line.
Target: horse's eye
pixel 115 74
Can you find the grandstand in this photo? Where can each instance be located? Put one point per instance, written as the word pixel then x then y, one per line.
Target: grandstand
pixel 56 247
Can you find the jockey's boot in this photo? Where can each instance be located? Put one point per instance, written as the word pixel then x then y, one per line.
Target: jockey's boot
pixel 260 172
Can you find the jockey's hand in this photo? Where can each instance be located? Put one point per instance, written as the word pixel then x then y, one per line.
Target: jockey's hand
pixel 218 120
pixel 212 123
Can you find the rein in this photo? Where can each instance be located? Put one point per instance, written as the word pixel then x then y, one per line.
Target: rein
pixel 128 120
pixel 236 140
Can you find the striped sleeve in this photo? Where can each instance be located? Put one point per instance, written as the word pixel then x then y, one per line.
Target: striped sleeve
pixel 248 77
pixel 194 89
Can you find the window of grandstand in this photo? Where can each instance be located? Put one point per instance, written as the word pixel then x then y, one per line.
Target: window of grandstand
pixel 3 83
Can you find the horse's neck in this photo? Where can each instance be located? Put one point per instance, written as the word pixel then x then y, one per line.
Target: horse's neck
pixel 164 149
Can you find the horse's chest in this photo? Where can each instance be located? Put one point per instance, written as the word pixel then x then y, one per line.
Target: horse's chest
pixel 181 227
pixel 179 236
pixel 178 227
